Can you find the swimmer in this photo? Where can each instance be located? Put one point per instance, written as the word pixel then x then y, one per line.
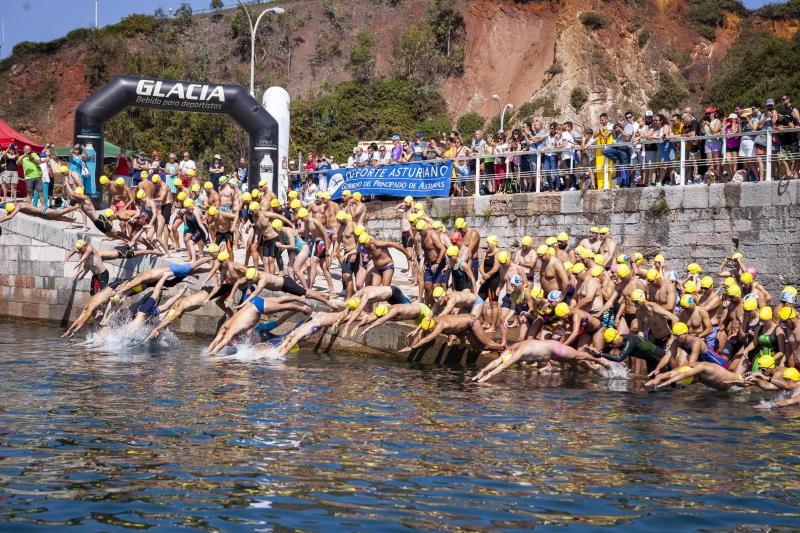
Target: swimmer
pixel 710 374
pixel 416 311
pixel 318 321
pixel 445 302
pixel 618 348
pixel 150 277
pixel 458 325
pixel 272 282
pixel 534 351
pixel 247 316
pixel 89 311
pixel 185 304
pixel 373 293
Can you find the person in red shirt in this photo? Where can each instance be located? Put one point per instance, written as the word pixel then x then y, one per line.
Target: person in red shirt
pixel 123 166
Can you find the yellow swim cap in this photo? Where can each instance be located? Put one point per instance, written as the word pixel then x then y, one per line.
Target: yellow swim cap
pixel 541 249
pixel 213 248
pixel 79 190
pixel 687 300
pixel 213 210
pixel 503 257
pixel 460 223
pixel 493 240
pixel 10 207
pixel 275 203
pixel 452 251
pixel 176 182
pixel 208 185
pixel 302 212
pixel 115 298
pixel 253 206
pixel 137 289
pixel 412 217
pixel 364 238
pixel 586 253
pixel 766 361
pixel 80 243
pixel 694 268
pixel 690 379
pixel 746 277
pixel 438 292
pixel 734 290
pixel 562 237
pixel 120 181
pixel 63 169
pixel 597 271
pixel 408 200
pixel 610 334
pixel 750 304
pixel 638 296
pixel 195 187
pixel 730 281
pixel 246 197
pixel 600 259
pixel 659 258
pixel 427 323
pixel 419 207
pixel 191 173
pixel 382 309
pixel 295 204
pixel 140 194
pixel 765 313
pixel 357 196
pixel 790 289
pixel 181 196
pixel 679 328
pixel 421 225
pixel 652 274
pixel 568 265
pixel 109 213
pixel 622 259
pixel 104 180
pixel 737 255
pixel 251 273
pixel 353 302
pixel 262 183
pixel 527 240
pixel 706 282
pixel 551 250
pixel 223 256
pixel 347 193
pixel 792 374
pixel 294 195
pixel 623 271
pixel 550 241
pixel 578 268
pixel 255 193
pixel 537 292
pixel 359 230
pixel 689 287
pixel 594 229
pixel 156 178
pixel 638 258
pixel 787 313
pixel 277 223
pixel 604 230
pixel 144 174
pixel 562 309
pixel 341 215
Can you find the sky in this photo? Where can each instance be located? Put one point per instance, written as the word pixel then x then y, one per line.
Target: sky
pixel 31 20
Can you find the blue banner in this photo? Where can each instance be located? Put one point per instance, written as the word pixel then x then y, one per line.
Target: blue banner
pixel 411 179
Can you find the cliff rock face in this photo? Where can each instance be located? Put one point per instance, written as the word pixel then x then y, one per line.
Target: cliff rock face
pixel 544 52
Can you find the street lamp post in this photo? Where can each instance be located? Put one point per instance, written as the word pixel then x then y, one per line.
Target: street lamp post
pixel 503 110
pixel 253 29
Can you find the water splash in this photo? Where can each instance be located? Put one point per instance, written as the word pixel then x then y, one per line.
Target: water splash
pixel 616 371
pixel 247 351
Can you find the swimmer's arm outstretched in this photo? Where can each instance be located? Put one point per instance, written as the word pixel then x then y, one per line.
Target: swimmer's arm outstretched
pixel 382 320
pixel 505 360
pixel 783 403
pixel 679 375
pixel 480 336
pixel 430 337
pixel 664 360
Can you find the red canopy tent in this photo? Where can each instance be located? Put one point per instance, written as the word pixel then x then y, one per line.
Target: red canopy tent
pixel 9 135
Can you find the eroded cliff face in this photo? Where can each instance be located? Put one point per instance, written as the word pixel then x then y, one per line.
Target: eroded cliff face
pixel 536 51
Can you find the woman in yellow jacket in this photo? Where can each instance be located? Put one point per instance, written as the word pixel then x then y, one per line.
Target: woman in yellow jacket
pixel 605 135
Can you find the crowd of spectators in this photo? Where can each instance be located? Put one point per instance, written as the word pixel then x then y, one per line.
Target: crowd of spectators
pixel 624 151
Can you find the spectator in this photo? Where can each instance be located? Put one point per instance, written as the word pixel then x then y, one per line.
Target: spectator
pixel 157 164
pixel 418 147
pixel 789 117
pixel 748 122
pixel 352 160
pixel 621 155
pixel 31 173
pixel 171 171
pixel 487 166
pixel 731 126
pixel 123 166
pixel 139 164
pixel 44 166
pixel 185 166
pixel 8 173
pixel 550 159
pixel 589 149
pixel 691 128
pixel 372 155
pixel 384 156
pixel 433 150
pixel 241 170
pixel 649 150
pixel 712 125
pixel 397 149
pixel 605 136
pixel 568 141
pixel 215 170
pixel 500 163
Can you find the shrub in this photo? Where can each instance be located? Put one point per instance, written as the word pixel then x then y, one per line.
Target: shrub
pixel 670 95
pixel 434 127
pixel 468 123
pixel 217 4
pixel 577 98
pixel 554 69
pixel 593 20
pixel 362 56
pixel 644 36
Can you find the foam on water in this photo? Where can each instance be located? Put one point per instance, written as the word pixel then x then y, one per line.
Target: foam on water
pixel 617 371
pixel 123 334
pixel 246 351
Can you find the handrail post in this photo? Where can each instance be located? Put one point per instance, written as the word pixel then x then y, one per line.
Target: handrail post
pixel 769 155
pixel 477 175
pixel 683 162
pixel 538 171
pixel 606 184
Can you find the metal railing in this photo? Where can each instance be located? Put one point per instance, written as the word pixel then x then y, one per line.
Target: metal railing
pixel 673 161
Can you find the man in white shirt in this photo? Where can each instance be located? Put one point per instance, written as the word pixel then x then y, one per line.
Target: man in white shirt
pixel 186 164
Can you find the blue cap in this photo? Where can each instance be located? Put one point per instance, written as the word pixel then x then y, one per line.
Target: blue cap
pixel 395 137
pixel 43 154
pixel 516 280
pixel 672 275
pixel 555 295
pixel 789 298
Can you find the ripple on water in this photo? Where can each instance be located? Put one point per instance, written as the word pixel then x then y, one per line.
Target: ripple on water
pixel 134 436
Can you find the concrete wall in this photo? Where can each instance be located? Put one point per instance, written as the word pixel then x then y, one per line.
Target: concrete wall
pixel 692 223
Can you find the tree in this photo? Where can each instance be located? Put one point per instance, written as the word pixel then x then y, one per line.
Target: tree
pixel 468 123
pixel 217 4
pixel 362 56
pixel 183 16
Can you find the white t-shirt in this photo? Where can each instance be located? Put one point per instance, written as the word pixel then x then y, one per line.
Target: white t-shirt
pixel 362 159
pixel 567 141
pixel 186 165
pixel 45 172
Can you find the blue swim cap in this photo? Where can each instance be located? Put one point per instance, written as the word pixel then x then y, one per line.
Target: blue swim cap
pixel 672 275
pixel 555 295
pixel 788 297
pixel 750 295
pixel 516 280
